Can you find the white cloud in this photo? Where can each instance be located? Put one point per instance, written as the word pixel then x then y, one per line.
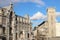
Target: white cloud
pixel 35 23
pixel 38 16
pixel 40 2
pixel 6 2
pixel 57 14
pixel 56 20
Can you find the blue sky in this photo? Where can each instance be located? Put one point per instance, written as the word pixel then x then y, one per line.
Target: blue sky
pixel 34 8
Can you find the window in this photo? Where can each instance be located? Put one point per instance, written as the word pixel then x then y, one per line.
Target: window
pixel 4 21
pixel 32 39
pixel 20 33
pixel 4 38
pixel 20 19
pixel 3 30
pixel 10 31
pixel 28 35
pixel 10 17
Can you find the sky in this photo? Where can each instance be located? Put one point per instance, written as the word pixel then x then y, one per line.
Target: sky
pixel 35 8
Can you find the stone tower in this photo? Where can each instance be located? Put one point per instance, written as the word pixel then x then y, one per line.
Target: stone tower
pixel 51 22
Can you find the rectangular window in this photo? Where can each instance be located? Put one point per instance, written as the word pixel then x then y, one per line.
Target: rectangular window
pixel 10 31
pixel 28 35
pixel 4 20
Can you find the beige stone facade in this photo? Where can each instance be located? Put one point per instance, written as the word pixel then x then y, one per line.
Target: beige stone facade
pixel 41 31
pixel 47 29
pixel 14 27
pixel 51 21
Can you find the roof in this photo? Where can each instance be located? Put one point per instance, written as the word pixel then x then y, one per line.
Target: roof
pixel 42 23
pixel 20 16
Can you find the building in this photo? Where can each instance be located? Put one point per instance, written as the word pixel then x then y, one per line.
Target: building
pixel 51 22
pixel 49 28
pixel 14 27
pixel 41 32
pixel 58 29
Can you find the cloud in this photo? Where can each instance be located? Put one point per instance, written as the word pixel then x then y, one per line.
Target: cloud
pixel 6 2
pixel 39 2
pixel 56 20
pixel 38 16
pixel 57 14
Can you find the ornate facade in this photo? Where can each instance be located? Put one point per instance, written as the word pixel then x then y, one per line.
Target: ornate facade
pixel 12 26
